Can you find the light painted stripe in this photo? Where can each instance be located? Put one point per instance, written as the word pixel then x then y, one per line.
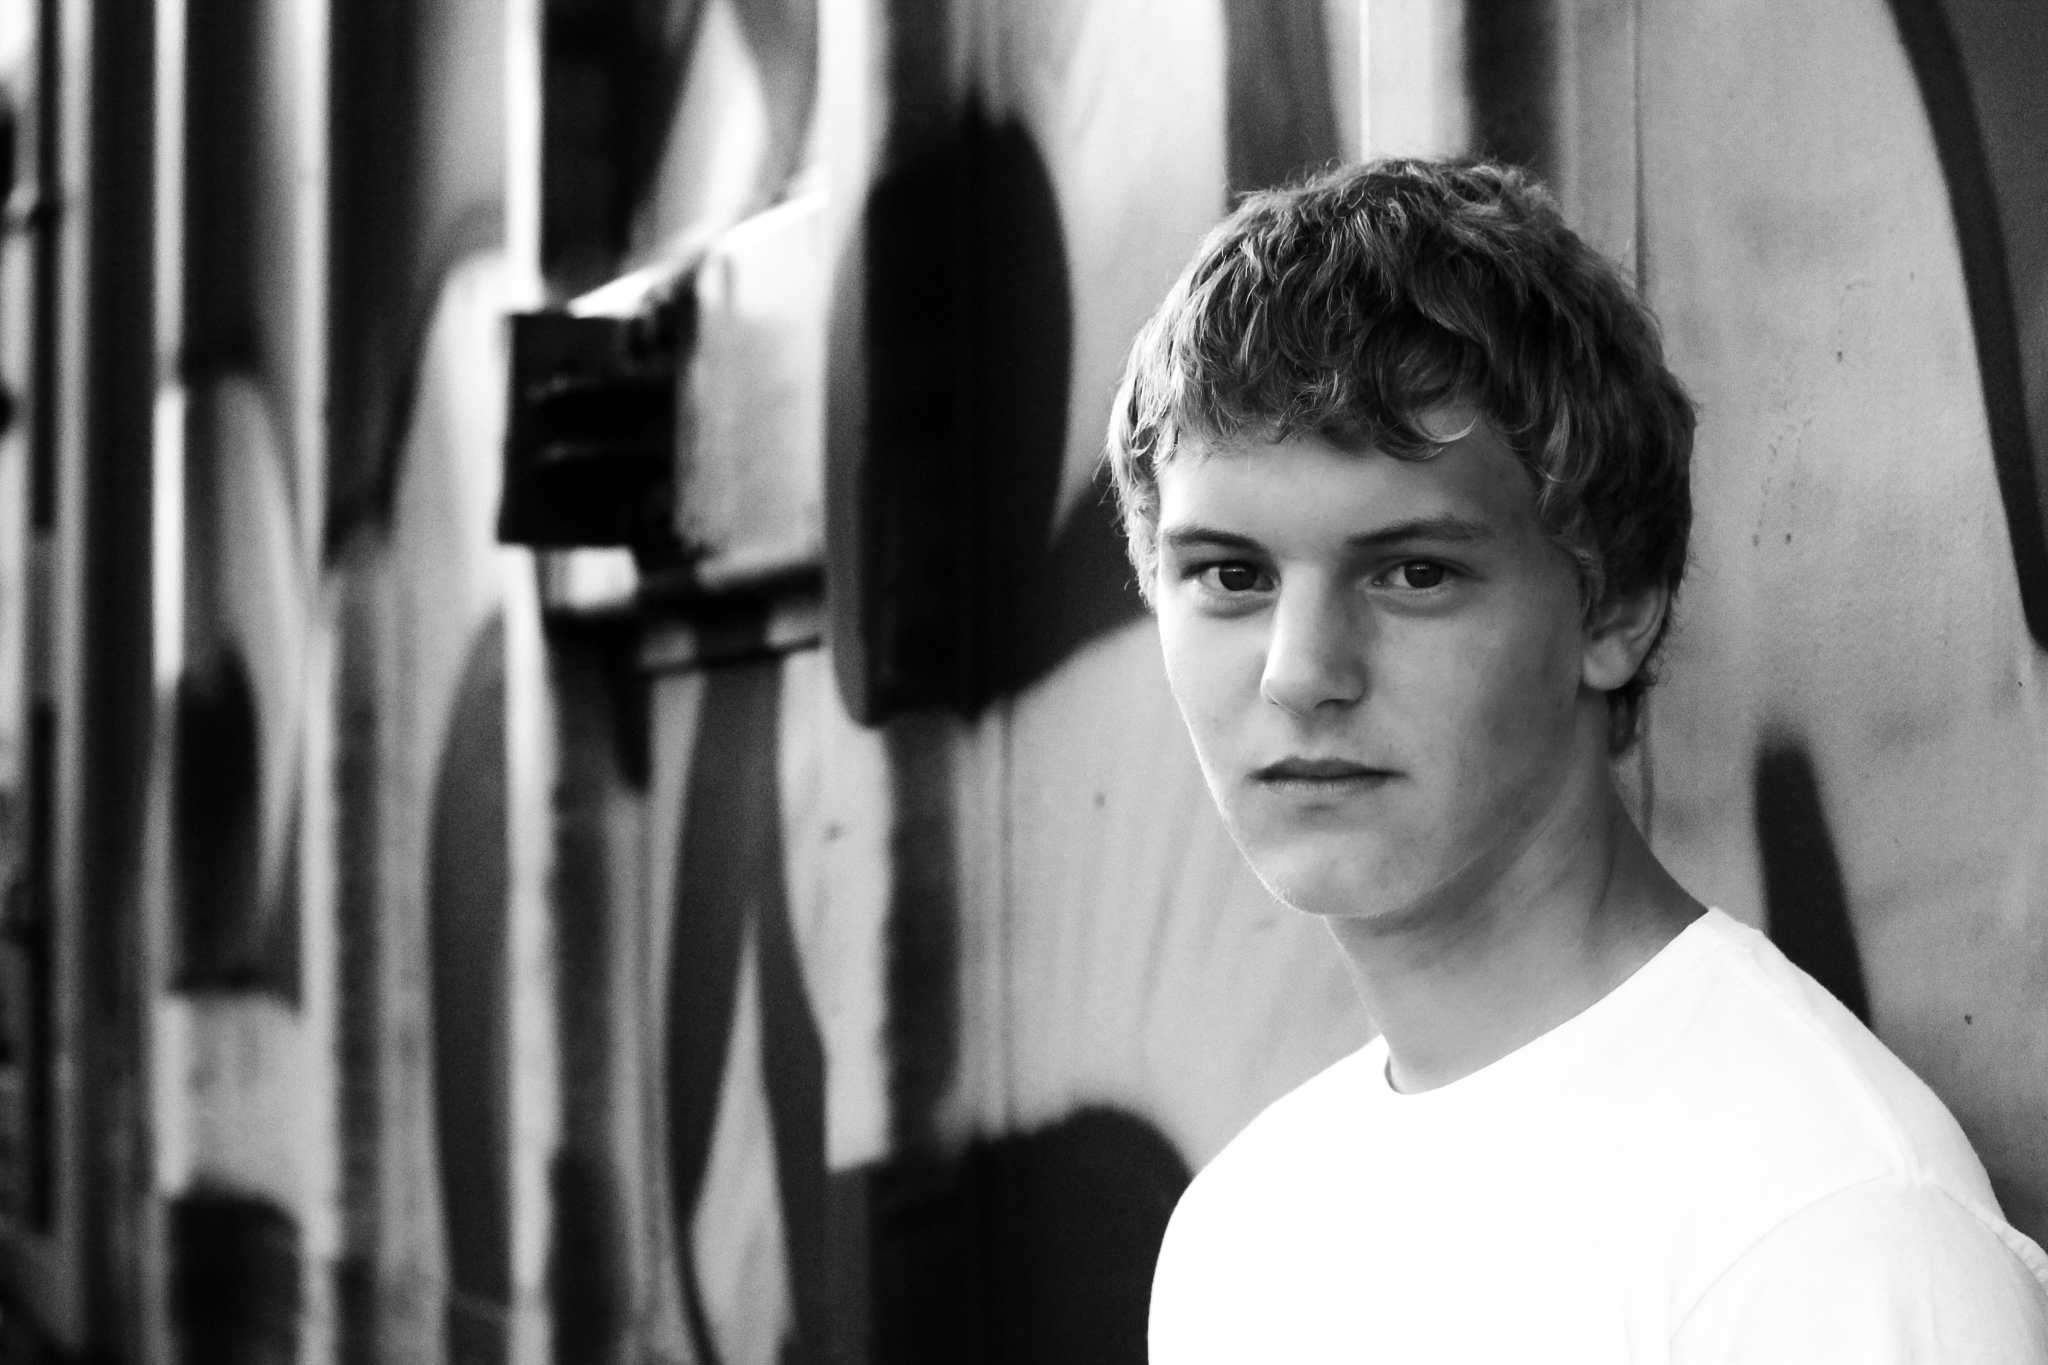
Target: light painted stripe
pixel 523 143
pixel 312 178
pixel 167 536
pixel 532 764
pixel 1598 164
pixel 677 704
pixel 1366 86
pixel 1412 71
pixel 318 1080
pixel 838 816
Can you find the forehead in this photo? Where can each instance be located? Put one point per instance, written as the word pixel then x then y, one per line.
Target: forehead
pixel 1305 489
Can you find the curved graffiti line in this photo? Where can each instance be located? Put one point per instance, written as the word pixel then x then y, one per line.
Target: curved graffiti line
pixel 730 874
pixel 1940 72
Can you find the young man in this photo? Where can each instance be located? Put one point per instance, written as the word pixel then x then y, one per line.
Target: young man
pixel 1407 484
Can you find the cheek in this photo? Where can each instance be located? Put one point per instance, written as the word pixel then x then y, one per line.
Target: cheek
pixel 1514 707
pixel 1535 725
pixel 1189 675
pixel 1204 671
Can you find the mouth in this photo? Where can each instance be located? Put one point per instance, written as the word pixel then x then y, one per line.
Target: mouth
pixel 1321 776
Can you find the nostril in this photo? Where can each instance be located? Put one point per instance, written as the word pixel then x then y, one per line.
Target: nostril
pixel 1300 685
pixel 1304 691
pixel 1314 654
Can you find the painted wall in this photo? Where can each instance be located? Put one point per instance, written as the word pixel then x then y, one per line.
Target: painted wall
pixel 1848 749
pixel 820 944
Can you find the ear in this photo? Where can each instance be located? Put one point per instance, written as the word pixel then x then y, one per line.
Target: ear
pixel 1619 633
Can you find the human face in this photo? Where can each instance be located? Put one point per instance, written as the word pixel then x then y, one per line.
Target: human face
pixel 1382 663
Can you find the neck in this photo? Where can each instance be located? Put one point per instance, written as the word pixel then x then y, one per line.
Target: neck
pixel 1464 980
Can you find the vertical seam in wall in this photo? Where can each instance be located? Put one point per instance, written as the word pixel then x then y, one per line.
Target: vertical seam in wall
pixel 1639 239
pixel 1641 249
pixel 1006 905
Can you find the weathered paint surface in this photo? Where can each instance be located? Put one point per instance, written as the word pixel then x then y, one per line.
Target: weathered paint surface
pixel 524 986
pixel 1853 594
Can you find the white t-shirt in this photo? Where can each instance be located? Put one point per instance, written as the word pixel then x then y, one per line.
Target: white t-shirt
pixel 1715 1163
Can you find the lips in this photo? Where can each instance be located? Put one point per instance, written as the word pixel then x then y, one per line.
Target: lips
pixel 1320 774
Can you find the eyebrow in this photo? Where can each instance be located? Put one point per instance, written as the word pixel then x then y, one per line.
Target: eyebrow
pixel 1444 528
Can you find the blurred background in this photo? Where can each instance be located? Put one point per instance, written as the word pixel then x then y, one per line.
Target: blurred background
pixel 581 775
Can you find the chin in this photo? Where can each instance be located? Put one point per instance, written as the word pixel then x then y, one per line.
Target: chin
pixel 1327 889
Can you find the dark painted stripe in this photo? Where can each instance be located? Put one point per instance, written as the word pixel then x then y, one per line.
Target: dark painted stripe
pixel 1511 80
pixel 590 1251
pixel 729 803
pixel 923 1026
pixel 48 284
pixel 793 1063
pixel 393 239
pixel 233 933
pixel 1807 901
pixel 233 1280
pixel 944 591
pixel 469 929
pixel 1944 88
pixel 40 1173
pixel 217 767
pixel 359 961
pixel 731 873
pixel 109 701
pixel 1027 1248
pixel 1280 119
pixel 226 235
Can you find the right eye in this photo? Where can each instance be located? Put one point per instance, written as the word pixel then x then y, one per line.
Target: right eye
pixel 1233 578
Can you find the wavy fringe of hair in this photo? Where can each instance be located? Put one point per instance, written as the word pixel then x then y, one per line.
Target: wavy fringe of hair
pixel 1358 303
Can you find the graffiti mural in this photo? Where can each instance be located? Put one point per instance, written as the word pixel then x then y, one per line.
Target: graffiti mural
pixel 1842 752
pixel 796 929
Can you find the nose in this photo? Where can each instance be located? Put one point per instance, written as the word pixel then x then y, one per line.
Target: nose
pixel 1315 656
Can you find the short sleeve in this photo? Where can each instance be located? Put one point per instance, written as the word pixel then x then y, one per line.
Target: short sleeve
pixel 1889 1272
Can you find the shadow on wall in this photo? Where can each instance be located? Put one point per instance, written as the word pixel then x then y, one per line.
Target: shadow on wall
pixel 1028 1249
pixel 1807 905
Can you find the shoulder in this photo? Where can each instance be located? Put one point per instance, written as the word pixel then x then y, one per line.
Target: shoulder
pixel 1772 1060
pixel 1888 1271
pixel 1281 1159
pixel 1259 1212
pixel 1776 1099
pixel 1294 1133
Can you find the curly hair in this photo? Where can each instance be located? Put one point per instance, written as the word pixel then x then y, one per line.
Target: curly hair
pixel 1348 306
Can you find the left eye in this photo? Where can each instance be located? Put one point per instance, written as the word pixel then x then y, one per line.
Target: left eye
pixel 1418 574
pixel 1233 578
